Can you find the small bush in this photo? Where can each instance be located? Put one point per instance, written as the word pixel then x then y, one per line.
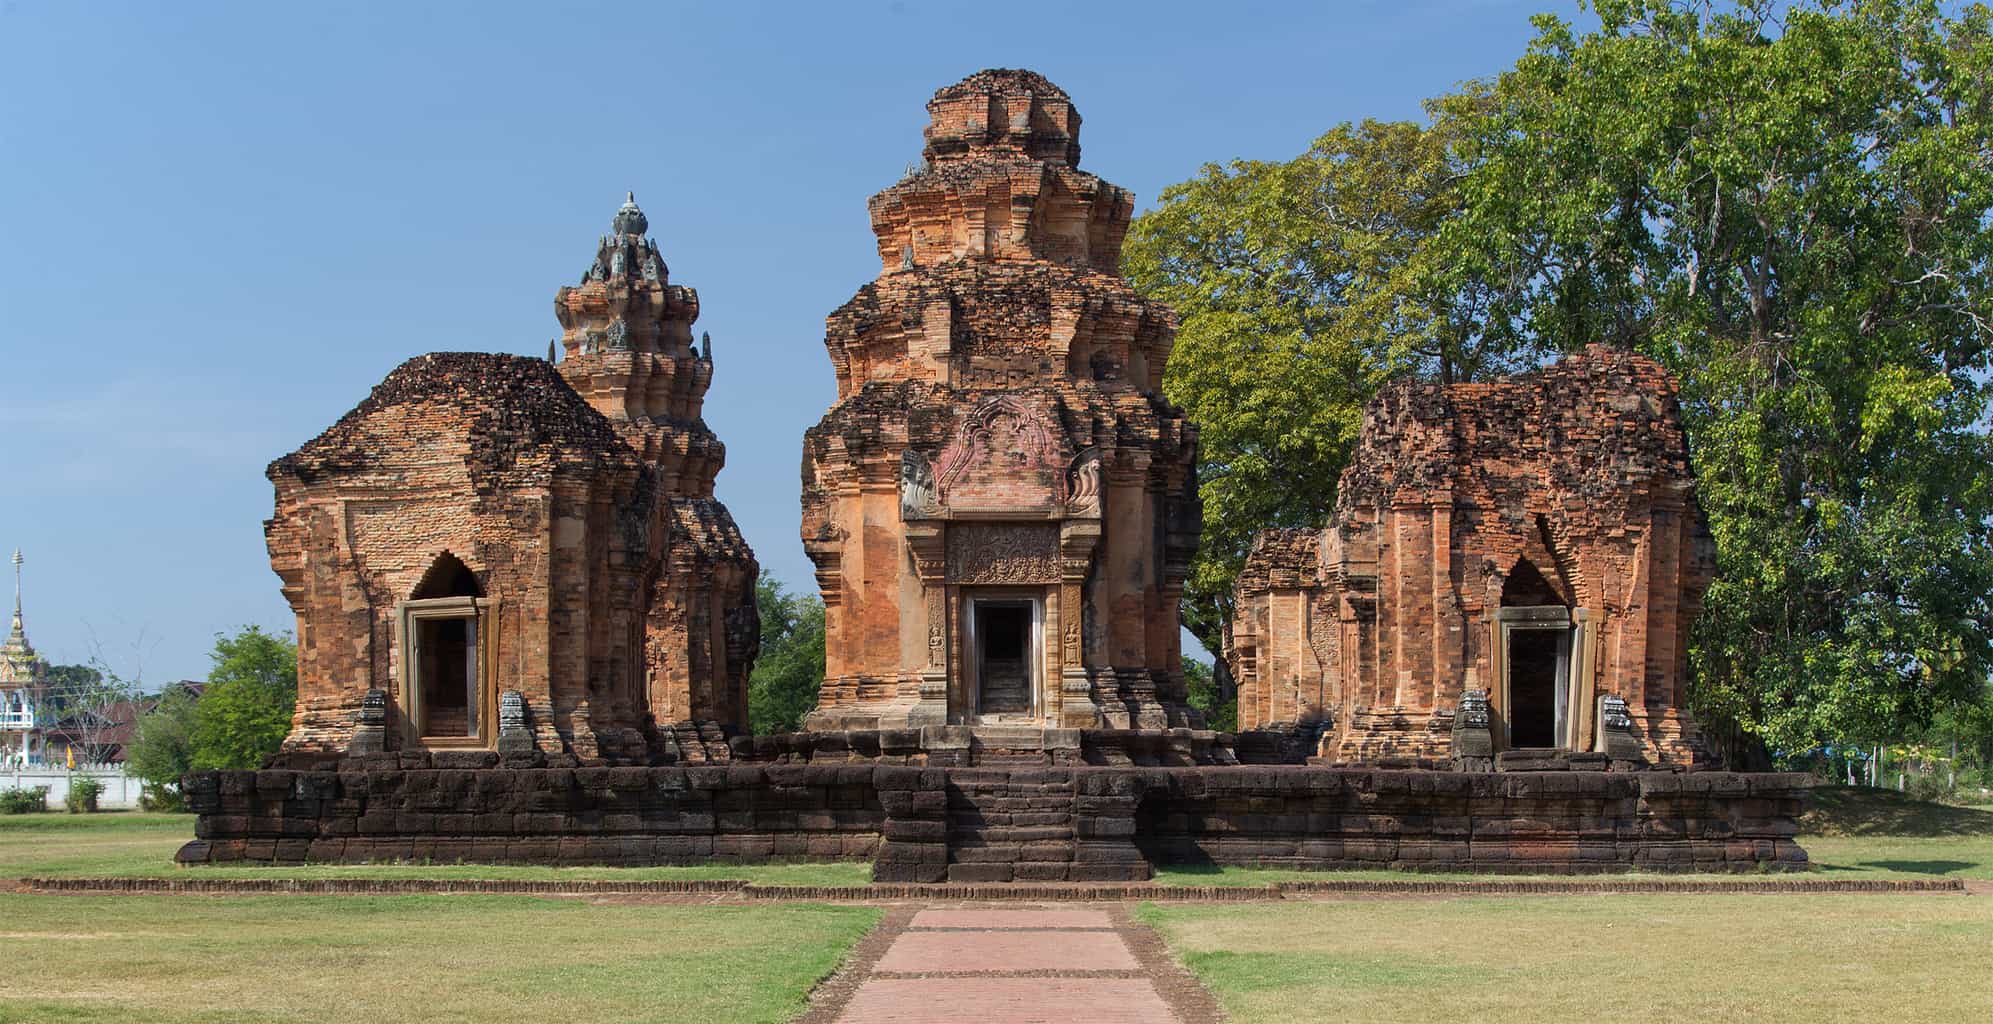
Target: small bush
pixel 24 801
pixel 83 794
pixel 154 796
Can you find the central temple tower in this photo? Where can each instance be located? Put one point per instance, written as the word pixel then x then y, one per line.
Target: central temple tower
pixel 1001 506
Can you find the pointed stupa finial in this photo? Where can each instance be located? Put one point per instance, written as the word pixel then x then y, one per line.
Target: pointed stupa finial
pixel 706 345
pixel 550 350
pixel 17 631
pixel 629 219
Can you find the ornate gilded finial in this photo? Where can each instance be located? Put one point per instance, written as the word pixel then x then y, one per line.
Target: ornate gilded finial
pixel 630 220
pixel 17 594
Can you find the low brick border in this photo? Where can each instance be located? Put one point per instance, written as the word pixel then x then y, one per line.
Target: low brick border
pixel 833 994
pixel 1179 987
pixel 990 893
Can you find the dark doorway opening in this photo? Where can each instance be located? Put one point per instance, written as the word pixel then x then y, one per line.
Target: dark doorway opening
pixel 1534 658
pixel 448 675
pixel 1003 657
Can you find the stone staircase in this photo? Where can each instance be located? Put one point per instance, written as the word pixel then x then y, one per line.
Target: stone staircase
pixel 1010 824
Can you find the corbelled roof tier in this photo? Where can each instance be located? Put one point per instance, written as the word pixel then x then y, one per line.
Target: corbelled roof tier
pixel 1004 112
pixel 512 410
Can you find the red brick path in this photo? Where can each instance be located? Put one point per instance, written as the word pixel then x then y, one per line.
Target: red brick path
pixel 1013 966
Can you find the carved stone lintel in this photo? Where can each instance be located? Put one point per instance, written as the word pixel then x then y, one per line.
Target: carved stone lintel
pixel 985 553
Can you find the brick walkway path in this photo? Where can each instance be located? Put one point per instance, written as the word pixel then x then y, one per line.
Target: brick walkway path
pixel 1007 965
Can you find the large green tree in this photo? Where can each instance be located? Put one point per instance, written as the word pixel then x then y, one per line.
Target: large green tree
pixel 1788 205
pixel 789 673
pixel 245 712
pixel 1302 288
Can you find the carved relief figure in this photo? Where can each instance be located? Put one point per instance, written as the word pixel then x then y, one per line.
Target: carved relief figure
pixel 917 492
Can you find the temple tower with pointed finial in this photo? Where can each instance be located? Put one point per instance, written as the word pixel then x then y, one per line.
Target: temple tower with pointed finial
pixel 23 686
pixel 523 556
pixel 627 339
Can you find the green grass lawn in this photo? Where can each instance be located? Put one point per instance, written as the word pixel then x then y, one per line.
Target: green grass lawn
pixel 1906 959
pixel 411 958
pixel 1705 957
pixel 134 845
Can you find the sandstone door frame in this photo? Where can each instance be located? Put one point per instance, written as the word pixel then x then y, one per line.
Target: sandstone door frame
pixel 972 695
pixel 1572 681
pixel 482 615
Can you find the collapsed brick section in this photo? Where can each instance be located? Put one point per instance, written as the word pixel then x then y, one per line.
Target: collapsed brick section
pixel 487 525
pixel 1535 540
pixel 998 825
pixel 1000 435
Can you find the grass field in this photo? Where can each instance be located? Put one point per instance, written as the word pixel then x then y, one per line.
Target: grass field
pixel 410 958
pixel 234 960
pixel 1905 959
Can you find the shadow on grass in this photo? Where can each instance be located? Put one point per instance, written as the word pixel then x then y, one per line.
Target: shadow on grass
pixel 1859 811
pixel 1920 867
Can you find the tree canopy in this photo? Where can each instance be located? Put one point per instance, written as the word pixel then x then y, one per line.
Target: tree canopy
pixel 1785 203
pixel 789 673
pixel 245 712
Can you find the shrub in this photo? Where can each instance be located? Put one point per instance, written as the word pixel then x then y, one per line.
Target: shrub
pixel 159 796
pixel 24 801
pixel 83 794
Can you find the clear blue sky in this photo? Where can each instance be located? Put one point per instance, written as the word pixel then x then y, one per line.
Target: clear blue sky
pixel 221 224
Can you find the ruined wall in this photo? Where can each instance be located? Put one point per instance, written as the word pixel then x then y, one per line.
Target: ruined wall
pixel 999 429
pixel 1566 488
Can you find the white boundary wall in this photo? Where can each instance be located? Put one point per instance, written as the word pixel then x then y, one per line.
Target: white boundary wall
pixel 119 789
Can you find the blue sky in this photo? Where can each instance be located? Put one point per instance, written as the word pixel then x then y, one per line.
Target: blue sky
pixel 221 224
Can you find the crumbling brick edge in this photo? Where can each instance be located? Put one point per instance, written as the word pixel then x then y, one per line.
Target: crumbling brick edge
pixel 996 893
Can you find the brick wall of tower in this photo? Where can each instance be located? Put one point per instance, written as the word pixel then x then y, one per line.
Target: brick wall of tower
pixel 1579 470
pixel 999 427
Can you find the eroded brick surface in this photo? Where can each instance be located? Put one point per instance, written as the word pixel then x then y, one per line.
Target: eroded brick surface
pixel 1000 432
pixel 1566 490
pixel 616 593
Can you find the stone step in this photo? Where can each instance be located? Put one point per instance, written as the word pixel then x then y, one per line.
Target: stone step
pixel 1001 834
pixel 1012 803
pixel 1011 853
pixel 972 820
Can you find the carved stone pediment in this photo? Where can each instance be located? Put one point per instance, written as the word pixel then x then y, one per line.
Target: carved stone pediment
pixel 1005 456
pixel 997 553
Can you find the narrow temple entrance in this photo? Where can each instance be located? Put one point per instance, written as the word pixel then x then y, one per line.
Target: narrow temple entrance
pixel 1537 659
pixel 1005 637
pixel 444 691
pixel 448 676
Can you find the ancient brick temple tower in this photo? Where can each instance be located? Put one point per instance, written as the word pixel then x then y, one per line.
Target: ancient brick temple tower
pixel 1001 505
pixel 1510 572
pixel 628 351
pixel 494 554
